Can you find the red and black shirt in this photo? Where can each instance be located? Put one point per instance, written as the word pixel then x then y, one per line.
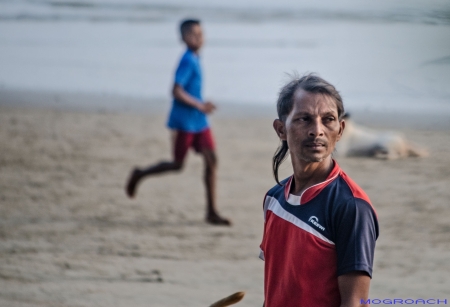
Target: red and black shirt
pixel 310 240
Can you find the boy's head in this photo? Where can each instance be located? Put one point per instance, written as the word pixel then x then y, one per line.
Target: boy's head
pixel 191 34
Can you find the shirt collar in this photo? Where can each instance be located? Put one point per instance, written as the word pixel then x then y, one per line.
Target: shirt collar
pixel 312 191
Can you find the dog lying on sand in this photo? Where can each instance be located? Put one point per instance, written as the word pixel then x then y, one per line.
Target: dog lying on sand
pixel 358 141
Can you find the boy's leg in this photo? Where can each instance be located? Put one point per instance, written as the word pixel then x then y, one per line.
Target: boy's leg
pixel 204 144
pixel 181 142
pixel 210 176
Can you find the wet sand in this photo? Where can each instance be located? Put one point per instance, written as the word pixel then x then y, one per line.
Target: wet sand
pixel 70 237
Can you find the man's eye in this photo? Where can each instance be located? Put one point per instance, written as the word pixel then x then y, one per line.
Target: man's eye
pixel 329 119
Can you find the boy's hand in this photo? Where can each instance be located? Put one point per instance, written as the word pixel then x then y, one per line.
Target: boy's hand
pixel 207 107
pixel 181 95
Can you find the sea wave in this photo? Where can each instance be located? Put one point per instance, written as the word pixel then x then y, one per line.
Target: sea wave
pixel 425 12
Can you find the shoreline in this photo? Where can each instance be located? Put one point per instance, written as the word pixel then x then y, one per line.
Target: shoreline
pixel 433 120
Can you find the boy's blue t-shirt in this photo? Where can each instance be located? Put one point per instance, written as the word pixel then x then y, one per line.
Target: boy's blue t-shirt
pixel 189 76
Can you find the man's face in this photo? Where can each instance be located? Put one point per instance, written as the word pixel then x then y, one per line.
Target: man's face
pixel 312 128
pixel 194 37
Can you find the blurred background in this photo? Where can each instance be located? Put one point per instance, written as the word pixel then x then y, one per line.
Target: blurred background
pixel 84 93
pixel 382 55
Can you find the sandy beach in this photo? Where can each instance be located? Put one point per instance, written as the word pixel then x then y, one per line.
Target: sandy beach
pixel 85 87
pixel 70 237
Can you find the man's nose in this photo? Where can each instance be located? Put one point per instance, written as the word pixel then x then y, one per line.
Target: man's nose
pixel 316 128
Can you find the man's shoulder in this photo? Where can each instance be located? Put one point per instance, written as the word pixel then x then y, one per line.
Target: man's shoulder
pixel 351 196
pixel 278 188
pixel 355 190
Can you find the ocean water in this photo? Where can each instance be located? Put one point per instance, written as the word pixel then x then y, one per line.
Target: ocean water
pixel 381 55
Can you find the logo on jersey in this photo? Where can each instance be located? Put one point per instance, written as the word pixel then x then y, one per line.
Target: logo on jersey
pixel 315 221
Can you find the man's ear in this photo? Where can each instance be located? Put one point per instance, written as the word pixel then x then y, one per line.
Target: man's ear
pixel 341 129
pixel 278 125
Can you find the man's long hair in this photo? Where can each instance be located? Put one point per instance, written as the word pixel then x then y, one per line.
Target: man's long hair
pixel 310 83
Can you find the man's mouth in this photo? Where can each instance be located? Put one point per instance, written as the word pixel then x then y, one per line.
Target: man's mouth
pixel 314 145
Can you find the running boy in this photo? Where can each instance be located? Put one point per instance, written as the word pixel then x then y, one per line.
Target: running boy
pixel 188 121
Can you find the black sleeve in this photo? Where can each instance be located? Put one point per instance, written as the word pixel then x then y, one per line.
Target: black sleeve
pixel 356 230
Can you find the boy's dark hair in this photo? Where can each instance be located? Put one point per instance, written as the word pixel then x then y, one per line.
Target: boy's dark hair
pixel 310 83
pixel 186 25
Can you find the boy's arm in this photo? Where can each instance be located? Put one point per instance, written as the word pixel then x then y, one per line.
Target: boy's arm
pixel 181 95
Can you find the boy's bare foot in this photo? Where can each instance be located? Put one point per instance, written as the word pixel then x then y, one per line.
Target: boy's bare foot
pixel 135 176
pixel 216 219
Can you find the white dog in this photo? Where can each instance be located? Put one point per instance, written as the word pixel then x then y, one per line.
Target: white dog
pixel 358 141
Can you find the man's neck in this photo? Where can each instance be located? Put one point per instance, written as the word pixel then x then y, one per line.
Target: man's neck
pixel 307 174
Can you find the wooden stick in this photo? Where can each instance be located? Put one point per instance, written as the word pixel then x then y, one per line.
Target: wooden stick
pixel 229 300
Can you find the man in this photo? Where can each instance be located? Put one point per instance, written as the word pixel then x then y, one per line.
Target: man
pixel 189 123
pixel 320 228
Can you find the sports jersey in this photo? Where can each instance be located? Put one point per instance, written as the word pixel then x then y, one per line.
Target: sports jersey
pixel 310 240
pixel 189 76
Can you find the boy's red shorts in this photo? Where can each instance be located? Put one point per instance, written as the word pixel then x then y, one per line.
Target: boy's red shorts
pixel 200 141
